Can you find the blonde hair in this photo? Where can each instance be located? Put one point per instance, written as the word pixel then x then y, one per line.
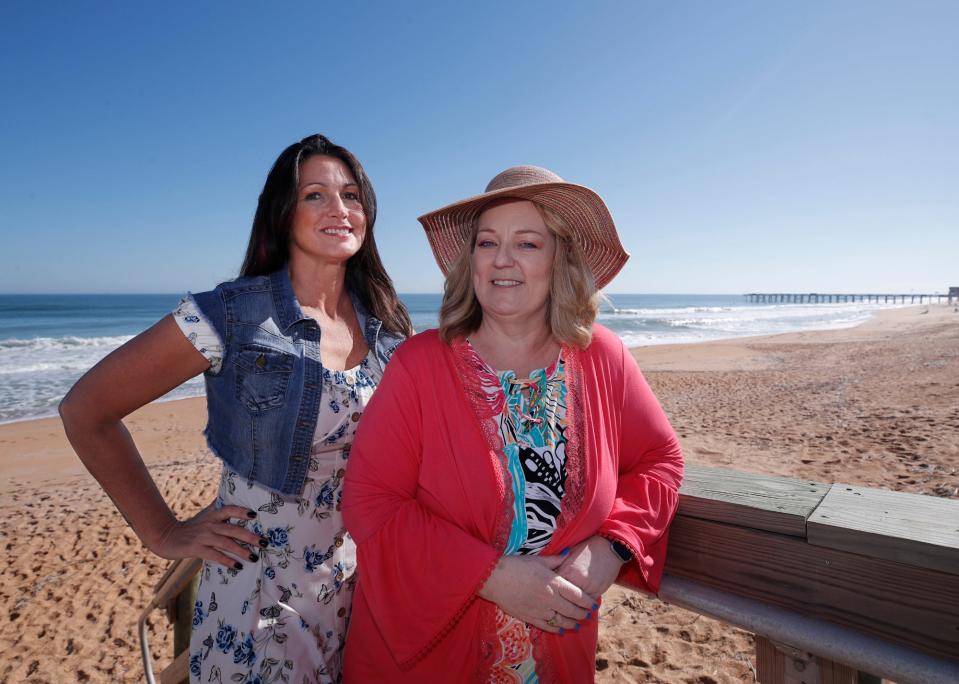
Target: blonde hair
pixel 573 297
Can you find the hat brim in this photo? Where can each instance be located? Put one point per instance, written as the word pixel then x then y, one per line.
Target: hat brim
pixel 449 228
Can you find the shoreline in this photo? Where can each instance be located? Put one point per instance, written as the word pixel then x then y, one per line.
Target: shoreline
pixel 634 349
pixel 874 405
pixel 879 324
pixel 748 353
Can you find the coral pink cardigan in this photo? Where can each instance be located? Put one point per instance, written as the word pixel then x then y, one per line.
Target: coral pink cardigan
pixel 428 502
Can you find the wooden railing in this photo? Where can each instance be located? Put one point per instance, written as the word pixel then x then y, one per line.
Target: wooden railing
pixel 876 563
pixel 880 563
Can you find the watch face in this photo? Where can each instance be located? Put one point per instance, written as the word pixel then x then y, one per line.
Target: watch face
pixel 622 551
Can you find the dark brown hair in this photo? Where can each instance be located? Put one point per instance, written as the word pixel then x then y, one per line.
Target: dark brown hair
pixel 269 247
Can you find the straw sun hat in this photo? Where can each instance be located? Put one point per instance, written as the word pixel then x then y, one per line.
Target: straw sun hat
pixel 449 229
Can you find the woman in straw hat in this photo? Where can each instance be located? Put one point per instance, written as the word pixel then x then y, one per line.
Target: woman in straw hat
pixel 513 463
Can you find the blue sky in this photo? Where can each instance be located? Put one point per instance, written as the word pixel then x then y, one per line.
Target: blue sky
pixel 741 146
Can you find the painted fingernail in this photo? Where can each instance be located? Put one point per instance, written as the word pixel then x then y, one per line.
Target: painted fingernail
pixel 562 631
pixel 263 542
pixel 238 565
pixel 576 628
pixel 564 551
pixel 251 514
pixel 254 557
pixel 595 606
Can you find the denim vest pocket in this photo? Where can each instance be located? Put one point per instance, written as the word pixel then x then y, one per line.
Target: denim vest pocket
pixel 262 376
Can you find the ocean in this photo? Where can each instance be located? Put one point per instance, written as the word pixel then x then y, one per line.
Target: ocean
pixel 48 341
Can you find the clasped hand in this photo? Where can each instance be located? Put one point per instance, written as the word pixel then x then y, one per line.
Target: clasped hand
pixel 554 593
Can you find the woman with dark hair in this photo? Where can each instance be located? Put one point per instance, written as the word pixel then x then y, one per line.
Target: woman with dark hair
pixel 291 351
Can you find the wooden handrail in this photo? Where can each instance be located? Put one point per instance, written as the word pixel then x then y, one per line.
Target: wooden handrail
pixel 883 563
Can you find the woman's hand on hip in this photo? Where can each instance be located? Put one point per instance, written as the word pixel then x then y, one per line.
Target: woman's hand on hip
pixel 529 589
pixel 591 565
pixel 211 536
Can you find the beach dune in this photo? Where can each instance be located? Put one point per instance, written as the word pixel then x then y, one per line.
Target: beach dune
pixel 875 405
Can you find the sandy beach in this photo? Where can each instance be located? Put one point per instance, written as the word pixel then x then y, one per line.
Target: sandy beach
pixel 876 405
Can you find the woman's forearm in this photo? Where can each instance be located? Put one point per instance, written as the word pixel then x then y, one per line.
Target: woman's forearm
pixel 107 450
pixel 142 370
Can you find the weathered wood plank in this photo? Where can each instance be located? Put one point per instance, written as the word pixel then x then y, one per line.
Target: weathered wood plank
pixel 178 671
pixel 916 607
pixel 831 672
pixel 770 665
pixel 778 663
pixel 775 504
pixel 909 528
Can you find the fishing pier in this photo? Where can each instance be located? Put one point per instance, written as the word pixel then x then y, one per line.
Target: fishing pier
pixel 817 298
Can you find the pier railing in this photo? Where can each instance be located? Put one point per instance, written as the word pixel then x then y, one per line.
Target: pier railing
pixel 838 582
pixel 819 298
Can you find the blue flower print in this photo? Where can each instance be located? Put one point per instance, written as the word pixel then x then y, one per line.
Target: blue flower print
pixel 325 498
pixel 311 560
pixel 244 607
pixel 257 529
pixel 195 664
pixel 278 536
pixel 243 653
pixel 225 636
pixel 198 615
pixel 314 559
pixel 337 576
pixel 270 572
pixel 337 434
pixel 334 406
pixel 253 679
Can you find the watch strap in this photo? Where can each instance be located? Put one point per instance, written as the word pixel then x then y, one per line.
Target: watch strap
pixel 621 550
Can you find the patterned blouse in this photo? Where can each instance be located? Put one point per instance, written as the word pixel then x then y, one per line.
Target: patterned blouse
pixel 532 425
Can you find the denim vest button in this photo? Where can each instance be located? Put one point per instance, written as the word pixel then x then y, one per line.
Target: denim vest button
pixel 261 361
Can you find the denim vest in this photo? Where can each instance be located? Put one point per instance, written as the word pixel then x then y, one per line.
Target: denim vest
pixel 264 402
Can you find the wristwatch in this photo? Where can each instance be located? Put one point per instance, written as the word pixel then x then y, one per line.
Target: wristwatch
pixel 621 550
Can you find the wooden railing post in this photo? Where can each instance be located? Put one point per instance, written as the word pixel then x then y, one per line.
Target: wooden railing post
pixel 181 614
pixel 778 663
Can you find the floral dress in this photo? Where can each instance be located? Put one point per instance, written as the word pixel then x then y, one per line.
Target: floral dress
pixel 283 618
pixel 532 425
